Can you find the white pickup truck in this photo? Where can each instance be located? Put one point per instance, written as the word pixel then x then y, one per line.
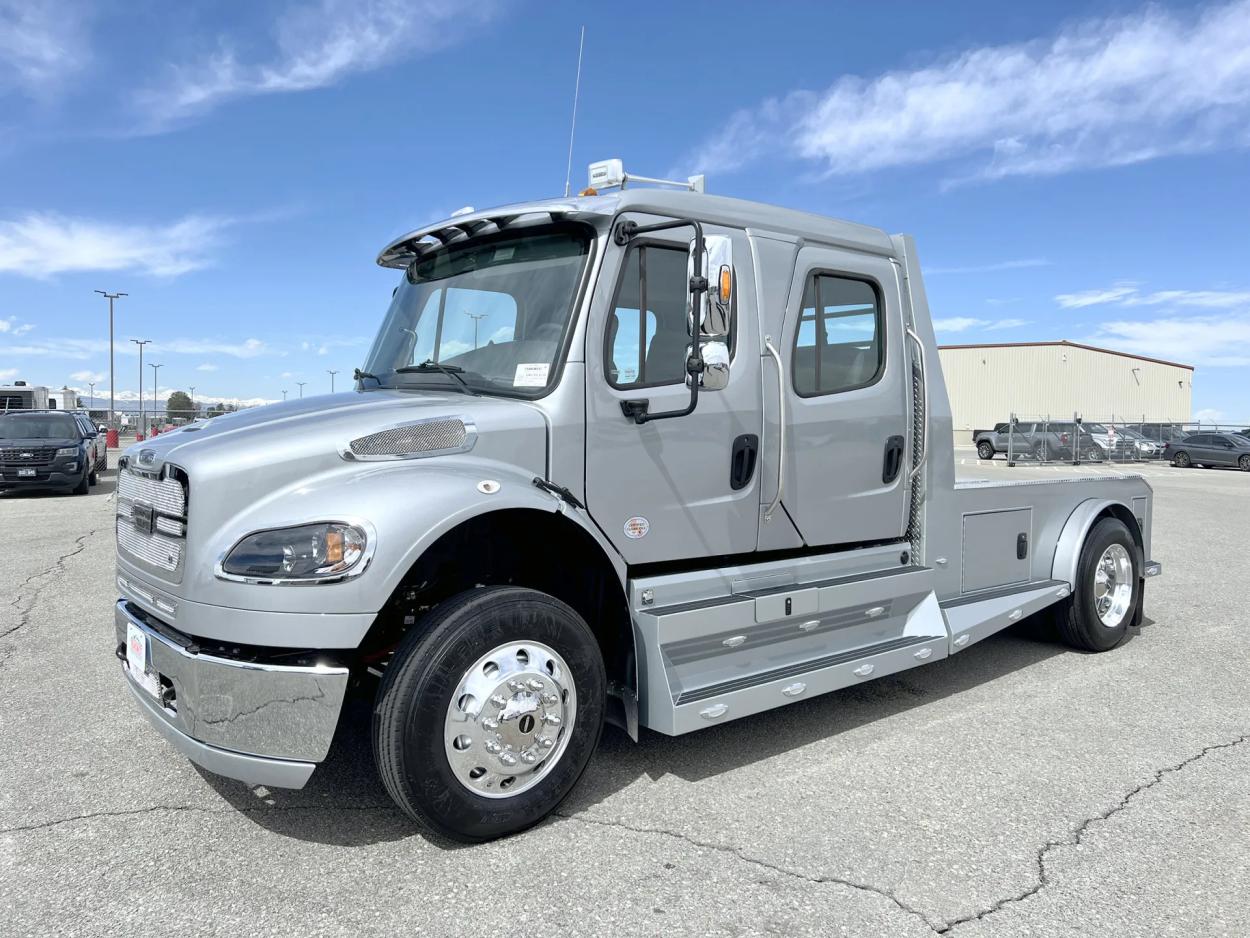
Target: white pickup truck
pixel 652 457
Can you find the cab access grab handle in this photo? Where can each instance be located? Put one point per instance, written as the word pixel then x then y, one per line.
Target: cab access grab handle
pixel 781 427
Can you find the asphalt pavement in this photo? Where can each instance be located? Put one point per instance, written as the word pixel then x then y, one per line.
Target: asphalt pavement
pixel 1017 789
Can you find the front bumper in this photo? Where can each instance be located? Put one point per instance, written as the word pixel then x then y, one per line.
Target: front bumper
pixel 45 477
pixel 267 724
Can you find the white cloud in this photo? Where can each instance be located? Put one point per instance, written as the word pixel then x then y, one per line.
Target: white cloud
pixel 42 44
pixel 1104 92
pixel 1128 294
pixel 248 348
pixel 88 377
pixel 206 366
pixel 314 46
pixel 6 373
pixel 82 349
pixel 1198 340
pixel 287 374
pixel 1094 297
pixel 1209 415
pixel 990 268
pixel 43 244
pixel 964 323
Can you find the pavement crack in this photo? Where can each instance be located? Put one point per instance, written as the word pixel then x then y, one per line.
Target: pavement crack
pixel 1077 834
pixel 193 809
pixel 57 566
pixel 740 854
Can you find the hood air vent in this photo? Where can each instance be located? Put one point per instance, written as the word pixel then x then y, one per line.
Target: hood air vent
pixel 436 436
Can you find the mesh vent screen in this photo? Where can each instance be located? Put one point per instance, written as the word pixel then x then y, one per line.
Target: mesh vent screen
pixel 428 436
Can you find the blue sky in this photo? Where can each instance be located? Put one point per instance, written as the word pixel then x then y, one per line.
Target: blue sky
pixel 1070 170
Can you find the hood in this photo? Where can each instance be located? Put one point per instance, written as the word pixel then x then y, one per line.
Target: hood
pixel 39 442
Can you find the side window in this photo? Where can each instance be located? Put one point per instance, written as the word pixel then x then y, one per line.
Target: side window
pixel 839 344
pixel 649 349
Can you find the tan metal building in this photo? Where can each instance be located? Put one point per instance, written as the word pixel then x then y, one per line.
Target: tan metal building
pixel 988 383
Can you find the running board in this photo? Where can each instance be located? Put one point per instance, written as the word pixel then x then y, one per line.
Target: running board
pixel 974 617
pixel 722 658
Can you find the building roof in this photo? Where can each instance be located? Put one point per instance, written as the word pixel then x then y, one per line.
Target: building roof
pixel 1065 342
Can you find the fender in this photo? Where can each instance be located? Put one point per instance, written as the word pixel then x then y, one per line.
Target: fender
pixel 1077 527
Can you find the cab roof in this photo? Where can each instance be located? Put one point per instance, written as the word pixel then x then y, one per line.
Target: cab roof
pixel 754 217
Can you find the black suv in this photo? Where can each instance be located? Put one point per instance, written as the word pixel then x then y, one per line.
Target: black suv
pixel 50 449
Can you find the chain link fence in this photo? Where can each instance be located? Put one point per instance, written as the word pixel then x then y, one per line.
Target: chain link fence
pixel 1035 439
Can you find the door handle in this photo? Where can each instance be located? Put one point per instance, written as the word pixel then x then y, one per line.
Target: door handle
pixel 893 460
pixel 742 460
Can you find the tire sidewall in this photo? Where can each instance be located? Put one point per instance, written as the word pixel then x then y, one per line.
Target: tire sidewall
pixel 442 655
pixel 983 449
pixel 1106 532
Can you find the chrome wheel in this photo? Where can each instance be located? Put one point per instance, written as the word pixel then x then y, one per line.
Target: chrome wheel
pixel 510 719
pixel 1113 585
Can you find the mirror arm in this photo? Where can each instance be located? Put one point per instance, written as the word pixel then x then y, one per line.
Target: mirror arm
pixel 622 234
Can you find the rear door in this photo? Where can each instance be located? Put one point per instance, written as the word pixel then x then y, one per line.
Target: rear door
pixel 847 399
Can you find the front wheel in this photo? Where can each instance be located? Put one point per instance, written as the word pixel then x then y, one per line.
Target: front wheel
pixel 489 712
pixel 1104 597
pixel 985 450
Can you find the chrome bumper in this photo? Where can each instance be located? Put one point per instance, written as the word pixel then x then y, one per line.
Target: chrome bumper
pixel 261 723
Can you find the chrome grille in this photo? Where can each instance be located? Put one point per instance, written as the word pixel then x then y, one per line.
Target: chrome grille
pixel 422 437
pixel 157 549
pixel 159 540
pixel 165 495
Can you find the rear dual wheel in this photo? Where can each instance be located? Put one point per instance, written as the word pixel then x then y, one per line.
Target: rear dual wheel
pixel 1105 595
pixel 489 712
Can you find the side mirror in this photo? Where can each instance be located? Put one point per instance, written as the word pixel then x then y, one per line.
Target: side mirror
pixel 718 270
pixel 715 374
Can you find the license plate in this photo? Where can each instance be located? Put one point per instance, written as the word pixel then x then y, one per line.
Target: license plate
pixel 26 473
pixel 137 660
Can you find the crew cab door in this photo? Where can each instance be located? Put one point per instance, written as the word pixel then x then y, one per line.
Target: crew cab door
pixel 847 395
pixel 684 487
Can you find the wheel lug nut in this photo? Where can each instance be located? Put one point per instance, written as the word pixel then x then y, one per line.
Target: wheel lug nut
pixel 499 700
pixel 552 720
pixel 507 758
pixel 492 746
pixel 489 724
pixel 535 684
pixel 516 685
pixel 546 742
pixel 550 699
pixel 528 758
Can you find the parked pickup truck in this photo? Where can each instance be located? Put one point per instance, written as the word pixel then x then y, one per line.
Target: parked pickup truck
pixel 1041 440
pixel 649 457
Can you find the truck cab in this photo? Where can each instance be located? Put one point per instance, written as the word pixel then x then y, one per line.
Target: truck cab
pixel 649 456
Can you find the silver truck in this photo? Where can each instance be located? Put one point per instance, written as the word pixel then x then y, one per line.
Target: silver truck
pixel 645 456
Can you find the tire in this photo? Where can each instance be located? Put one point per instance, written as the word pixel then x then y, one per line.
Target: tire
pixel 1244 463
pixel 1181 460
pixel 1079 620
pixel 985 449
pixel 1041 452
pixel 84 484
pixel 419 702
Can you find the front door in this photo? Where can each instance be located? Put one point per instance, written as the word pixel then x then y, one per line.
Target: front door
pixel 848 399
pixel 675 488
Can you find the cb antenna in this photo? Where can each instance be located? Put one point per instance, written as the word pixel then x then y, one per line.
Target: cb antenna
pixel 577 86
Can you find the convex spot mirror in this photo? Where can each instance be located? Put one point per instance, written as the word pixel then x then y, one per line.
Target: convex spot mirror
pixel 718 269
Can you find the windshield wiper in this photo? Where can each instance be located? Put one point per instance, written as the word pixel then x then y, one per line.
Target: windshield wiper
pixel 452 371
pixel 359 375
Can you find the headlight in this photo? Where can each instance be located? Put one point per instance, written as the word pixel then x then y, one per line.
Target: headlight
pixel 307 552
pixel 67 451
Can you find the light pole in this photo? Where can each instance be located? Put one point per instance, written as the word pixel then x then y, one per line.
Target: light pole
pixel 332 373
pixel 91 388
pixel 141 344
pixel 111 297
pixel 155 370
pixel 284 394
pixel 195 410
pixel 301 387
pixel 476 317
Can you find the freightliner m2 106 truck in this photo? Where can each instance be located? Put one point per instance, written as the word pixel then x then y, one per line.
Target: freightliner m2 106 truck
pixel 646 456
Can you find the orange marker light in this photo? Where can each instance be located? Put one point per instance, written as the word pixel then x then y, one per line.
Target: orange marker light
pixel 334 547
pixel 726 283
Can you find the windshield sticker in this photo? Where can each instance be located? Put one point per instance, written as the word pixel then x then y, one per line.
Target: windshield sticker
pixel 531 375
pixel 637 527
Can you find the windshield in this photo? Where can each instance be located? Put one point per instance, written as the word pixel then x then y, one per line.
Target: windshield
pixel 487 316
pixel 38 427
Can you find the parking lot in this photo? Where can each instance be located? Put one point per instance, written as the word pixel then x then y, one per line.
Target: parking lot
pixel 1018 788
